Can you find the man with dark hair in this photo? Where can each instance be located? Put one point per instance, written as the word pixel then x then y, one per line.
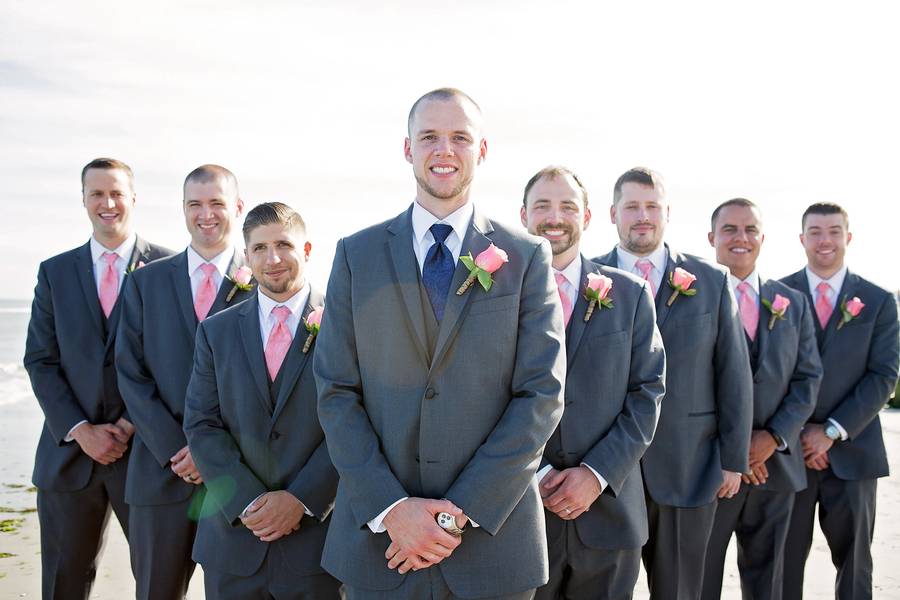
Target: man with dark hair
pixel 700 448
pixel 859 342
pixel 79 468
pixel 154 350
pixel 439 385
pixel 590 475
pixel 251 425
pixel 778 330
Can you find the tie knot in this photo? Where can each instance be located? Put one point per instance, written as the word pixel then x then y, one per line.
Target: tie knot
pixel 744 288
pixel 110 258
pixel 281 313
pixel 644 266
pixel 560 279
pixel 208 269
pixel 824 289
pixel 440 231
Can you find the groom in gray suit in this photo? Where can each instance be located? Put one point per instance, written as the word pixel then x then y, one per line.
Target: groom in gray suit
pixel 786 377
pixel 701 444
pixel 82 455
pixel 590 476
pixel 437 396
pixel 154 354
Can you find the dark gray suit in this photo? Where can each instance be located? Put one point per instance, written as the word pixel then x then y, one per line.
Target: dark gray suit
pixel 249 436
pixel 458 410
pixel 154 357
pixel 704 425
pixel 861 365
pixel 787 372
pixel 614 383
pixel 69 358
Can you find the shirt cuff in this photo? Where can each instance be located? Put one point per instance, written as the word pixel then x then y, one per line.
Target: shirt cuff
pixel 841 430
pixel 376 525
pixel 539 476
pixel 603 482
pixel 69 437
pixel 244 512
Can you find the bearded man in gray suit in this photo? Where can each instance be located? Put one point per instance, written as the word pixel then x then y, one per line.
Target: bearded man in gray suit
pixel 437 396
pixel 590 474
pixel 700 448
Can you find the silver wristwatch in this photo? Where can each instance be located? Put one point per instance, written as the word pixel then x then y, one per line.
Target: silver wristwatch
pixel 832 432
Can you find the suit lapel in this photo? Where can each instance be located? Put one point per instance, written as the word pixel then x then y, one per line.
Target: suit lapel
pixel 140 253
pixel 765 292
pixel 847 291
pixel 406 278
pixel 181 283
pixel 576 327
pixel 219 304
pixel 251 340
pixel 673 260
pixel 296 359
pixel 476 241
pixel 84 267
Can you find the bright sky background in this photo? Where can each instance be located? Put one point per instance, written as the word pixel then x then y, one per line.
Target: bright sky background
pixel 786 103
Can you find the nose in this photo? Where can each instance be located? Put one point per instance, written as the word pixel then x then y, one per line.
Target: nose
pixel 444 147
pixel 272 256
pixel 110 202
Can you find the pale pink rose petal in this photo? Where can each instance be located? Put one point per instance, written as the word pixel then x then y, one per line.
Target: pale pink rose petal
pixel 600 284
pixel 315 317
pixel 780 303
pixel 243 275
pixel 491 259
pixel 683 279
pixel 854 306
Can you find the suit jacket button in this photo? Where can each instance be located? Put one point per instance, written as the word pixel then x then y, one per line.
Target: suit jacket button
pixel 430 393
pixel 274 435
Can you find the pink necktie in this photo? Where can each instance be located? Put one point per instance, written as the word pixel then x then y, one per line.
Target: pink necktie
pixel 823 306
pixel 109 283
pixel 206 293
pixel 564 298
pixel 279 341
pixel 749 310
pixel 646 267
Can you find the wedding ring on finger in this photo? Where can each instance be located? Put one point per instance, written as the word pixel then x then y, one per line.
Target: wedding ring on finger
pixel 568 511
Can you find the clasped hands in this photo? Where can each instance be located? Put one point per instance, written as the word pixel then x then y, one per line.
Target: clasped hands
pixel 815 446
pixel 417 541
pixel 183 466
pixel 273 515
pixel 105 442
pixel 570 492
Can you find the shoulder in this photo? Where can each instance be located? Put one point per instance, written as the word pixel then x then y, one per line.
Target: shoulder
pixel 63 261
pixel 698 265
pixel 156 252
pixel 364 238
pixel 794 280
pixel 155 269
pixel 515 239
pixel 227 320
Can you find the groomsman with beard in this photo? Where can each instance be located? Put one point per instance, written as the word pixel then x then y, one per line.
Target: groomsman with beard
pixel 81 460
pixel 165 301
pixel 859 341
pixel 701 444
pixel 778 330
pixel 590 476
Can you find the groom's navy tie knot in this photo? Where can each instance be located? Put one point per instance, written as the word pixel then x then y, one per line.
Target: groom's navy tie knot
pixel 437 272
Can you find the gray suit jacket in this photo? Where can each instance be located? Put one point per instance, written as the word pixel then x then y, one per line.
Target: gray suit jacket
pixel 860 363
pixel 614 383
pixel 466 420
pixel 154 357
pixel 705 421
pixel 69 358
pixel 785 383
pixel 246 442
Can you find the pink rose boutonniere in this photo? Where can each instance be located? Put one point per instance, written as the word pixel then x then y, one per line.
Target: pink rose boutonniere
pixel 313 322
pixel 241 279
pixel 850 309
pixel 597 292
pixel 777 308
pixel 481 267
pixel 135 266
pixel 680 281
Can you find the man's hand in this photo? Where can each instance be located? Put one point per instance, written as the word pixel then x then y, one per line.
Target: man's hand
pixel 757 475
pixel 274 515
pixel 818 463
pixel 730 485
pixel 183 466
pixel 762 446
pixel 570 492
pixel 815 446
pixel 102 442
pixel 127 429
pixel 417 541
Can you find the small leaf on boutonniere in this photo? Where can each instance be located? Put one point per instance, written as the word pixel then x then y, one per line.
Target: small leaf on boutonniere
pixel 850 309
pixel 135 266
pixel 241 279
pixel 597 292
pixel 313 322
pixel 680 281
pixel 481 268
pixel 777 308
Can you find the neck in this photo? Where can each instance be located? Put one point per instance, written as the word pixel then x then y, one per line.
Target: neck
pixel 561 261
pixel 111 242
pixel 742 274
pixel 208 253
pixel 440 208
pixel 825 273
pixel 639 253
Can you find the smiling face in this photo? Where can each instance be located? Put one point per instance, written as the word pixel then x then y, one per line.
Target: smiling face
pixel 277 255
pixel 210 211
pixel 640 217
pixel 554 209
pixel 825 239
pixel 737 238
pixel 108 197
pixel 444 147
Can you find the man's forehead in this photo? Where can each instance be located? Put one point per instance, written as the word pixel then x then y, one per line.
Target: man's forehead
pixel 817 221
pixel 454 113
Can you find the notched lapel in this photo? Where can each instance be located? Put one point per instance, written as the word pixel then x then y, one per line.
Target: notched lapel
pixel 219 304
pixel 181 283
pixel 251 340
pixel 673 260
pixel 577 326
pixel 406 278
pixel 296 359
pixel 762 331
pixel 847 291
pixel 85 270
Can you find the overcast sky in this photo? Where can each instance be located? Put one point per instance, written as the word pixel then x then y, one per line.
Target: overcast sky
pixel 786 103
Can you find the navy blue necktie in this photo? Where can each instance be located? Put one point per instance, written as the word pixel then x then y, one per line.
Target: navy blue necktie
pixel 437 272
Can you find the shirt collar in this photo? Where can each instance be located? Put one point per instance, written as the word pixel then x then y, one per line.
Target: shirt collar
pixel 459 220
pixel 295 303
pixel 124 250
pixel 626 259
pixel 836 281
pixel 572 272
pixel 752 279
pixel 221 261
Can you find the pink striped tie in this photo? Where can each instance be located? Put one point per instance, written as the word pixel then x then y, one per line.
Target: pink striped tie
pixel 823 305
pixel 206 293
pixel 279 341
pixel 564 298
pixel 646 267
pixel 109 283
pixel 749 310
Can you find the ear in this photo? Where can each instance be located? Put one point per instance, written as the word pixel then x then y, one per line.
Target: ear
pixel 407 150
pixel 239 207
pixel 246 256
pixel 612 214
pixel 523 214
pixel 482 151
pixel 307 248
pixel 712 239
pixel 802 239
pixel 849 237
pixel 587 218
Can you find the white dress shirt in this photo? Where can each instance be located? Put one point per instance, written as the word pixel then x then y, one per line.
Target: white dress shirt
pixel 836 281
pixel 221 262
pixel 659 258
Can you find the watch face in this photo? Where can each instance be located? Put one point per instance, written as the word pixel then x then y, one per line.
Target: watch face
pixel 446 520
